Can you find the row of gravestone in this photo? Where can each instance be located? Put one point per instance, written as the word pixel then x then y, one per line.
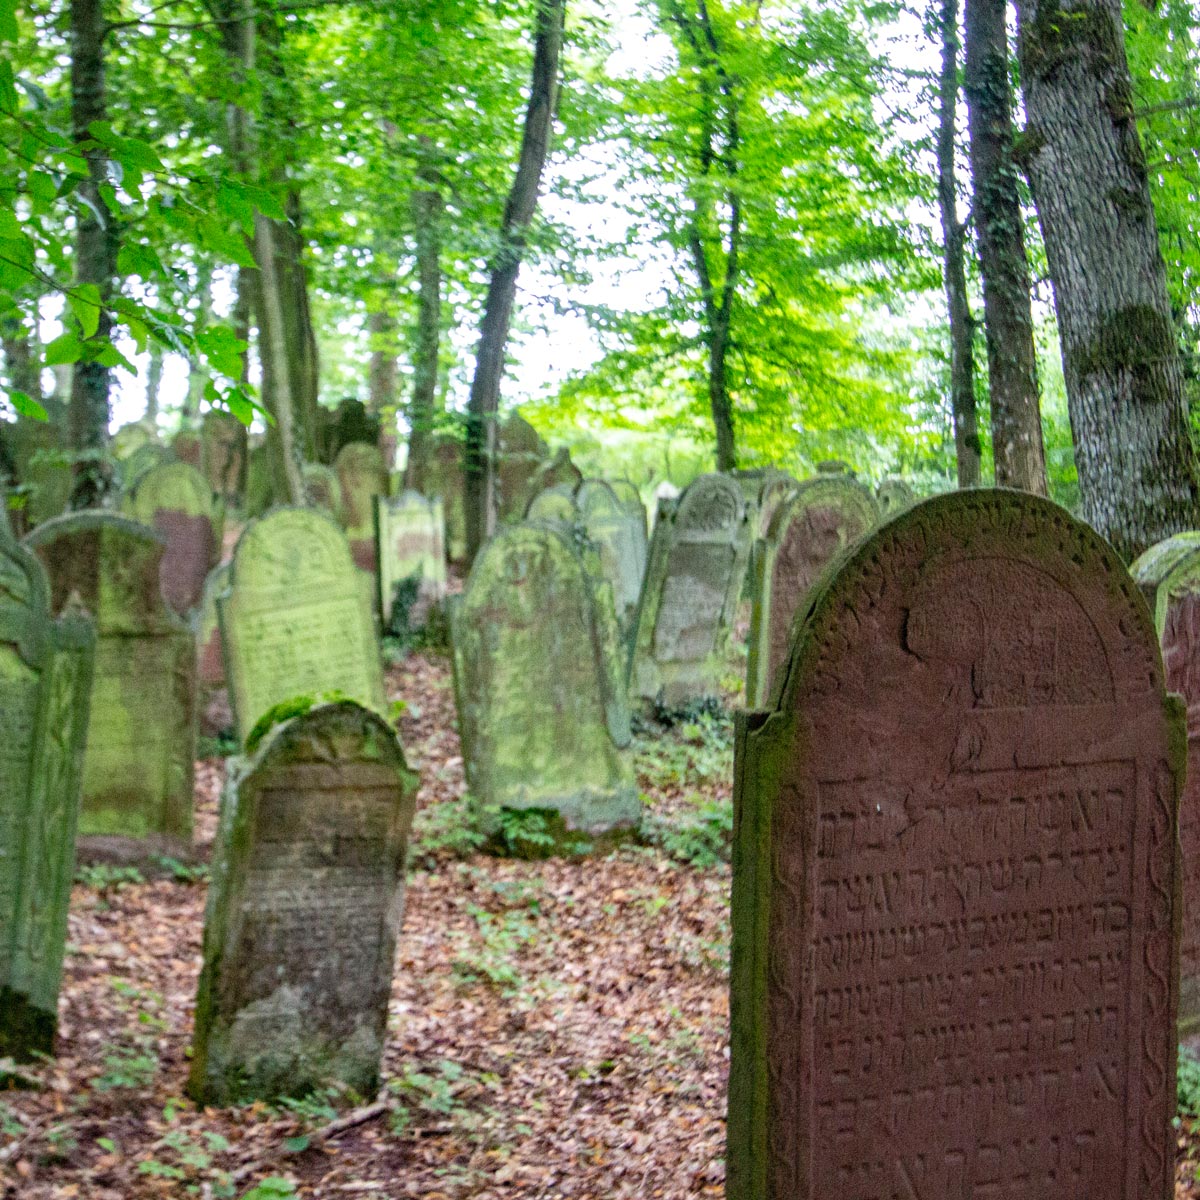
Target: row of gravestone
pixel 956 898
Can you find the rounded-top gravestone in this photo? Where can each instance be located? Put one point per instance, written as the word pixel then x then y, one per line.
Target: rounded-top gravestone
pixel 955 904
pixel 892 495
pixel 362 476
pixel 555 505
pixel 619 537
pixel 822 517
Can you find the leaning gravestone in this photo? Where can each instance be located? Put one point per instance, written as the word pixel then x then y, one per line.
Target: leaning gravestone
pixel 823 517
pixel 411 554
pixel 45 680
pixel 296 620
pixel 141 737
pixel 175 499
pixel 694 576
pixel 537 675
pixel 1169 576
pixel 620 540
pixel 362 476
pixel 955 911
pixel 225 454
pixel 305 904
pixel 892 496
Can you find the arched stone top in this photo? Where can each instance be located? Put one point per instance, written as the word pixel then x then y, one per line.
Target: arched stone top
pixel 712 506
pixel 174 485
pixel 554 504
pixel 290 542
pixel 825 491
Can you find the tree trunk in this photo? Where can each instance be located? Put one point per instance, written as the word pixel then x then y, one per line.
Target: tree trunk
pixel 197 376
pixel 243 310
pixel 20 358
pixel 1129 419
pixel 153 382
pixel 479 497
pixel 1017 449
pixel 968 453
pixel 381 374
pixel 95 258
pixel 427 218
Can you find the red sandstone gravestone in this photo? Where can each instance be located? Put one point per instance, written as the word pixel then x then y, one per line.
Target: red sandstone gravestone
pixel 955 906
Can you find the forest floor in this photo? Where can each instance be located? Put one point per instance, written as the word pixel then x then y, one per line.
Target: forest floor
pixel 557 1029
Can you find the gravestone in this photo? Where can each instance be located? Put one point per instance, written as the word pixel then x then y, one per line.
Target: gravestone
pixel 175 499
pixel 136 465
pixel 211 701
pixel 45 681
pixel 537 676
pixel 694 575
pixel 131 437
pixel 321 487
pixel 188 446
pixel 1169 576
pixel 823 517
pixel 559 471
pixel 141 737
pixel 260 485
pixel 225 453
pixel 955 912
pixel 631 501
pixel 777 487
pixel 892 496
pixel 555 505
pixel 520 453
pixel 296 620
pixel 411 553
pixel 41 460
pixel 362 477
pixel 303 911
pixel 619 538
pixel 444 479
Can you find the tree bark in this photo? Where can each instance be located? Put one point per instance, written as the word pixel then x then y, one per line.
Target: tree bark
pixel 153 382
pixel 1129 419
pixel 20 358
pixel 427 217
pixel 480 467
pixel 381 373
pixel 197 376
pixel 968 453
pixel 96 242
pixel 1017 448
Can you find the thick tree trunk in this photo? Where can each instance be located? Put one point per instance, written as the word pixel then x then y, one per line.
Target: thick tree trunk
pixel 968 453
pixel 480 467
pixel 381 372
pixel 95 257
pixel 301 341
pixel 1137 470
pixel 422 408
pixel 1008 315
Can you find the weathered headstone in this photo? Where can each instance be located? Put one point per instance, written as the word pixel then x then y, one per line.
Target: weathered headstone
pixel 445 480
pixel 537 673
pixel 776 488
pixel 321 487
pixel 555 505
pixel 211 701
pixel 631 501
pixel 141 738
pixel 955 912
pixel 138 463
pixel 175 499
pixel 41 464
pixel 305 904
pixel 559 471
pixel 225 455
pixel 260 485
pixel 362 477
pixel 296 620
pixel 694 576
pixel 1169 576
pixel 892 496
pixel 131 437
pixel 45 680
pixel 823 517
pixel 188 446
pixel 411 553
pixel 519 457
pixel 619 538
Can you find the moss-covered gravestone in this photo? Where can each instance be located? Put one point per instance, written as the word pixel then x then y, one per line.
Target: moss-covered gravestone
pixel 187 446
pixel 444 480
pixel 689 597
pixel 777 487
pixel 620 539
pixel 175 499
pixel 555 505
pixel 631 501
pixel 537 675
pixel 892 495
pixel 519 457
pixel 1169 576
pixel 141 737
pixel 822 517
pixel 955 893
pixel 42 463
pixel 560 471
pixel 296 620
pixel 211 700
pixel 305 904
pixel 225 456
pixel 363 477
pixel 411 555
pixel 45 681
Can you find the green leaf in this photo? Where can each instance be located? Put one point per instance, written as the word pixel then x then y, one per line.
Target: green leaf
pixel 10 227
pixel 109 356
pixel 86 304
pixel 8 21
pixel 66 348
pixel 297 1145
pixel 26 405
pixel 42 186
pixel 134 258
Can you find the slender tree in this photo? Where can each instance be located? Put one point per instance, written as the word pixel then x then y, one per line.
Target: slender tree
pixel 479 484
pixel 96 243
pixel 1129 420
pixel 1017 448
pixel 967 450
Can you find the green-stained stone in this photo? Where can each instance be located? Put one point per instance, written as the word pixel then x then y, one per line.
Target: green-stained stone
pixel 409 532
pixel 619 535
pixel 362 477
